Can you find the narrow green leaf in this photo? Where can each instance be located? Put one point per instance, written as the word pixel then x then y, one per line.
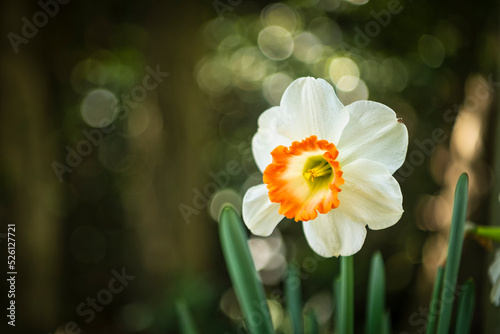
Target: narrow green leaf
pixel 312 326
pixel 454 253
pixel 376 295
pixel 246 283
pixel 294 299
pixel 186 322
pixel 435 302
pixel 346 310
pixel 465 308
pixel 386 324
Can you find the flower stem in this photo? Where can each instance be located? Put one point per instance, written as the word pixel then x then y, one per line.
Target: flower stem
pixel 346 311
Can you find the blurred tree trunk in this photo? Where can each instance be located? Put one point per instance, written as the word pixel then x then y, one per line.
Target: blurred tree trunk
pixel 30 190
pixel 171 147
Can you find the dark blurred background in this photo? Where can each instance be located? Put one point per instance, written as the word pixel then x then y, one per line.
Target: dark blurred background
pixel 118 120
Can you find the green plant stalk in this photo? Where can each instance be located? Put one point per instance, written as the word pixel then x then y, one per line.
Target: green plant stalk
pixel 246 283
pixel 186 322
pixel 454 253
pixel 465 308
pixel 386 325
pixel 312 326
pixel 435 302
pixel 375 307
pixel 490 232
pixel 346 310
pixel 294 299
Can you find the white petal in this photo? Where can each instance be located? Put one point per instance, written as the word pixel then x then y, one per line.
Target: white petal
pixel 268 137
pixel 370 194
pixel 259 213
pixel 374 133
pixel 334 234
pixel 312 108
pixel 494 269
pixel 494 275
pixel 495 294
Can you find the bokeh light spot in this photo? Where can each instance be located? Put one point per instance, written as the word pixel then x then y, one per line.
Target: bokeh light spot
pixel 274 87
pixel 277 313
pixel 395 75
pixel 279 14
pixel 360 92
pixel 308 48
pixel 99 108
pixel 222 197
pixel 431 50
pixel 250 67
pixel 327 30
pixel 322 305
pixel 213 75
pixel 138 121
pixel 358 2
pixel 330 5
pixel 344 73
pixel 276 43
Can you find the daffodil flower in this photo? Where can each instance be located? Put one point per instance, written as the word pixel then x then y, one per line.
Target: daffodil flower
pixel 327 165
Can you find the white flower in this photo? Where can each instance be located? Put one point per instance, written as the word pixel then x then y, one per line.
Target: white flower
pixel 494 274
pixel 328 165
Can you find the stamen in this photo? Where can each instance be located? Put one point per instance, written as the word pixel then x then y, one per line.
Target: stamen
pixel 322 169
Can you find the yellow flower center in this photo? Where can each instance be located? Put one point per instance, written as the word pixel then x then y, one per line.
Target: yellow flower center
pixel 321 168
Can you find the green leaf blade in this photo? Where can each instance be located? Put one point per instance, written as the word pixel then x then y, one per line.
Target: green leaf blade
pixel 186 322
pixel 294 299
pixel 386 325
pixel 312 326
pixel 435 302
pixel 376 296
pixel 465 309
pixel 454 252
pixel 246 283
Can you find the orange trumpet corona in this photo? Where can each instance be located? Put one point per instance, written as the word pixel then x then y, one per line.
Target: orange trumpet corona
pixel 304 178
